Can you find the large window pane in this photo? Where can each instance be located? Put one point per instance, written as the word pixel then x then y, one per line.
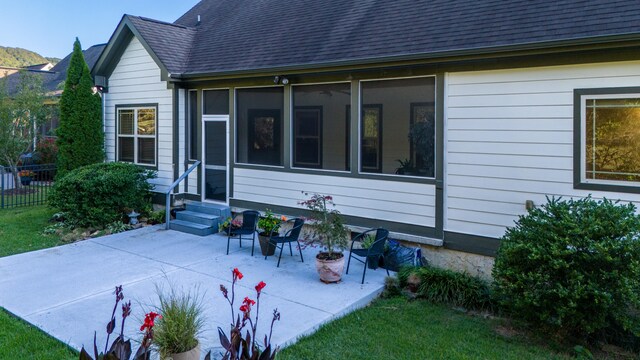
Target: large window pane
pixel 320 126
pixel 397 127
pixel 125 122
pixel 147 122
pixel 147 151
pixel 259 125
pixel 126 149
pixel 612 137
pixel 216 102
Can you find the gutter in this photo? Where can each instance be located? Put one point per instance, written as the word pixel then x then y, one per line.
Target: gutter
pixel 467 54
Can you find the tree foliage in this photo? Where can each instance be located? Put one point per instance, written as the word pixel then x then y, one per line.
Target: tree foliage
pixel 17 57
pixel 80 133
pixel 20 114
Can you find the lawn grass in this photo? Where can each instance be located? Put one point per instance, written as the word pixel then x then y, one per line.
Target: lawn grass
pixel 19 340
pixel 21 230
pixel 400 329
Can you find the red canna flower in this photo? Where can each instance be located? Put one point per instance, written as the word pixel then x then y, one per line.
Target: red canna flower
pixel 149 320
pixel 260 286
pixel 237 274
pixel 248 301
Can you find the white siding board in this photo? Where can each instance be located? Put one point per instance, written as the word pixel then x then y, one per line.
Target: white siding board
pixel 378 199
pixel 509 138
pixel 136 80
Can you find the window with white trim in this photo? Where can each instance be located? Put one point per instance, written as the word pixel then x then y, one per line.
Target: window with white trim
pixel 610 134
pixel 137 130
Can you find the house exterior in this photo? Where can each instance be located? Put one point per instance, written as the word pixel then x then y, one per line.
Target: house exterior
pixel 439 120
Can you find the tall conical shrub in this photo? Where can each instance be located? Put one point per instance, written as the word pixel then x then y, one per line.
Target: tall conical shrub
pixel 80 133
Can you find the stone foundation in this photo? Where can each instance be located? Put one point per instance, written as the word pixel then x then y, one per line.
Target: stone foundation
pixel 472 264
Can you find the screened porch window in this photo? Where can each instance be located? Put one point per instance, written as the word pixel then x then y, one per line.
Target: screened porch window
pixel 260 126
pixel 397 127
pixel 611 136
pixel 137 135
pixel 321 126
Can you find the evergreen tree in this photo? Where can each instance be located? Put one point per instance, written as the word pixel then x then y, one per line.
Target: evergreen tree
pixel 80 134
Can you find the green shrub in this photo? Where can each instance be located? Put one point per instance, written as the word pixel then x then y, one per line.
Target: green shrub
pixel 572 267
pixel 100 194
pixel 449 287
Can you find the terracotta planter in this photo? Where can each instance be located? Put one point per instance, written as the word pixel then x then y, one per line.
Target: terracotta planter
pixel 330 271
pixel 193 354
pixel 266 248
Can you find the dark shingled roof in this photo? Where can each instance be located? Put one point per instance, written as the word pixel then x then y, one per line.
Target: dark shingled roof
pixel 249 35
pixel 52 79
pixel 171 43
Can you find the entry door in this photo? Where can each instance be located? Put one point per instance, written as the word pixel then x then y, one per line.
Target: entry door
pixel 215 147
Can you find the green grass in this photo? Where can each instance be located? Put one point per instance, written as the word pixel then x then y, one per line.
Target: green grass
pixel 19 340
pixel 399 329
pixel 21 230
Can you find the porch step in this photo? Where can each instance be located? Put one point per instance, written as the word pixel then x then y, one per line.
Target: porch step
pixel 200 218
pixel 191 227
pixel 214 209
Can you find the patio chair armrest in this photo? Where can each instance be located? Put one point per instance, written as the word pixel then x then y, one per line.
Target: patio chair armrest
pixel 288 233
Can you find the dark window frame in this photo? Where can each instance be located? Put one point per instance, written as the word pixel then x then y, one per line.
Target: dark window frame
pixel 136 107
pixel 578 141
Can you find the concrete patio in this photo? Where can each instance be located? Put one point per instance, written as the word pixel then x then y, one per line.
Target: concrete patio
pixel 67 291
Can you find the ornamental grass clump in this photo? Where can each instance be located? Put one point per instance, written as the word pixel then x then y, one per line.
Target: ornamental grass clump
pixel 572 267
pixel 181 324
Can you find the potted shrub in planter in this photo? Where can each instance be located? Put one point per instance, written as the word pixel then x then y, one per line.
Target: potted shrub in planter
pixel 25 177
pixel 176 333
pixel 328 230
pixel 269 225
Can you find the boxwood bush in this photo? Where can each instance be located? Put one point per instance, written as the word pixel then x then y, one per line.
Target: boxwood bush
pixel 100 194
pixel 573 267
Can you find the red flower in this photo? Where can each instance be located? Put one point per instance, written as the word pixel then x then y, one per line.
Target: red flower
pixel 149 320
pixel 260 286
pixel 237 274
pixel 244 308
pixel 248 301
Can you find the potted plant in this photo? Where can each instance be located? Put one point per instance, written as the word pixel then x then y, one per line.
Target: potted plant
pixel 269 225
pixel 229 225
pixel 25 177
pixel 176 333
pixel 328 230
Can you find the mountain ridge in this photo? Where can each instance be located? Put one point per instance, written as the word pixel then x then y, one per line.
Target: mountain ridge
pixel 19 57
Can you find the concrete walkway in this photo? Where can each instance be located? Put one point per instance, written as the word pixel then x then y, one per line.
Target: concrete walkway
pixel 67 291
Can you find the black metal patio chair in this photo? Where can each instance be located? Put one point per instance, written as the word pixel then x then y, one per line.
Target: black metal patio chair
pixel 249 225
pixel 292 235
pixel 373 253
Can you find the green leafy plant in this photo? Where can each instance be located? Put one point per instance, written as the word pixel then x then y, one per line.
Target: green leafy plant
pixel 181 323
pixel 118 227
pixel 99 194
pixel 368 241
pixel 121 349
pixel 448 287
pixel 229 223
pixel 328 229
pixel 406 167
pixel 269 223
pixel 156 217
pixel 573 267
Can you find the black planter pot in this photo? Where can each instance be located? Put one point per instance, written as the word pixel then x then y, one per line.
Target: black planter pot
pixel 266 248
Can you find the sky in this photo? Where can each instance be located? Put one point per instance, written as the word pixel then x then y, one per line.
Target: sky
pixel 49 27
